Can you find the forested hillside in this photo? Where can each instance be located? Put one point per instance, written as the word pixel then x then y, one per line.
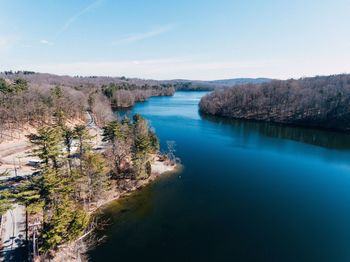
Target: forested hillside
pixel 121 91
pixel 195 85
pixel 125 94
pixel 23 103
pixel 28 97
pixel 317 101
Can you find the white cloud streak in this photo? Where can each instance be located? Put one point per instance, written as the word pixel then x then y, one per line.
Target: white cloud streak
pixel 75 17
pixel 145 35
pixel 7 42
pixel 45 42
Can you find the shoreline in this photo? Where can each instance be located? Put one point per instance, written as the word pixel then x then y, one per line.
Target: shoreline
pixel 274 123
pixel 75 250
pixel 134 185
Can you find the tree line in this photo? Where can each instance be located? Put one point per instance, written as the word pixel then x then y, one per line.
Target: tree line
pixel 126 95
pixel 21 104
pixel 28 97
pixel 35 103
pixel 322 101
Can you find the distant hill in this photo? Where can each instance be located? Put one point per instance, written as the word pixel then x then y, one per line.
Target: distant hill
pixel 241 81
pixel 182 84
pixel 44 79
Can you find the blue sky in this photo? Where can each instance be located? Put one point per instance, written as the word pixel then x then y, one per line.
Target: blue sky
pixel 193 39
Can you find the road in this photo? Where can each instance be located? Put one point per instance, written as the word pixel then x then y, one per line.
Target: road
pixel 90 121
pixel 95 131
pixel 13 226
pixel 13 235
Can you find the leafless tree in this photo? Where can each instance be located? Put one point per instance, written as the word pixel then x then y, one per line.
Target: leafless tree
pixel 318 101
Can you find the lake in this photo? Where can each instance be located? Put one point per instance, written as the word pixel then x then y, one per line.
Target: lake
pixel 248 192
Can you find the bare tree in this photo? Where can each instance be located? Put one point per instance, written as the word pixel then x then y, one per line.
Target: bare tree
pixel 318 101
pixel 171 149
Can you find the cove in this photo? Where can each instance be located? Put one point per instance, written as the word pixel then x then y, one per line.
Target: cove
pixel 248 192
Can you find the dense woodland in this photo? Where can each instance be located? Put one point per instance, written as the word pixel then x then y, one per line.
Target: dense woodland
pixel 317 101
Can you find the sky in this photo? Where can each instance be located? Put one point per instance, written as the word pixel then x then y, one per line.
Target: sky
pixel 177 39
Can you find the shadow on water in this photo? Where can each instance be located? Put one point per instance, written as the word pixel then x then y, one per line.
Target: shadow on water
pixel 317 137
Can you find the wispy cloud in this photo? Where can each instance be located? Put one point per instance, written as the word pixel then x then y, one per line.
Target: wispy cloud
pixel 7 42
pixel 75 17
pixel 45 42
pixel 142 36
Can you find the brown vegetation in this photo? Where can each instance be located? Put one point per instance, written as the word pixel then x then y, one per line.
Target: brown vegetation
pixel 125 95
pixel 318 101
pixel 33 98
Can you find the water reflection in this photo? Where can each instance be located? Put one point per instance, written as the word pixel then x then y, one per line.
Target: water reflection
pixel 317 137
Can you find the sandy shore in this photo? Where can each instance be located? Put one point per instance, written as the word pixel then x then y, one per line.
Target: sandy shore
pixel 127 186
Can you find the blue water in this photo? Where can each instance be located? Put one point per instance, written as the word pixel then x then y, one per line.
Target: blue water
pixel 248 192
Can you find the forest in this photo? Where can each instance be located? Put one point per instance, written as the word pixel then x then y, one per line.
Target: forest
pixel 77 170
pixel 28 97
pixel 322 101
pixel 125 95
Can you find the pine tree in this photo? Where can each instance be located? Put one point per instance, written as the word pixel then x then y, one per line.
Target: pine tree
pixel 119 136
pixel 142 146
pixel 54 192
pixel 28 193
pixel 68 137
pixel 96 176
pixel 5 203
pixel 48 146
pixel 84 143
pixel 84 139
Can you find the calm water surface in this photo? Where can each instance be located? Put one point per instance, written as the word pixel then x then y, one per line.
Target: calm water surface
pixel 248 192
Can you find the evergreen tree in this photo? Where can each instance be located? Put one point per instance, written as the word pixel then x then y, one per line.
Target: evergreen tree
pixel 5 203
pixel 48 146
pixel 84 143
pixel 54 191
pixel 29 194
pixel 84 139
pixel 142 146
pixel 68 137
pixel 96 176
pixel 119 136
